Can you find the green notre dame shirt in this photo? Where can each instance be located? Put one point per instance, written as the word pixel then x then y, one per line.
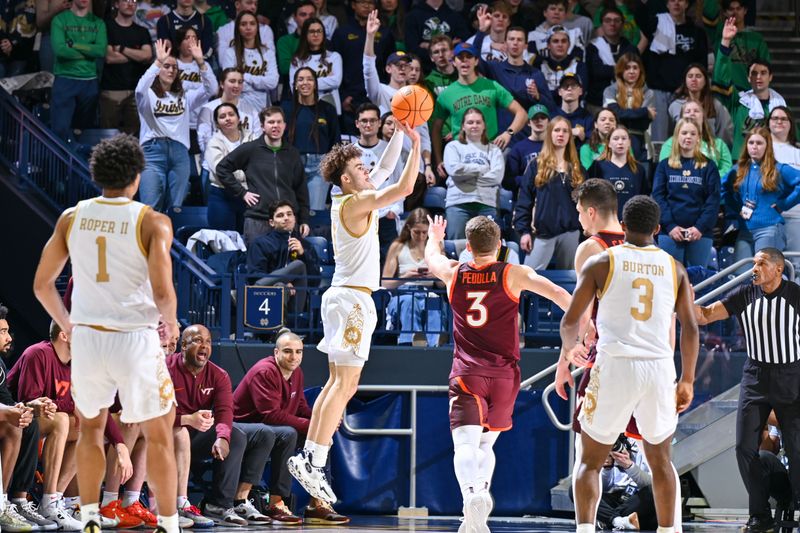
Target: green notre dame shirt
pixel 487 95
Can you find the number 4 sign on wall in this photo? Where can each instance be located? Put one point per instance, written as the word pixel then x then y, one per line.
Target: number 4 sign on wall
pixel 263 307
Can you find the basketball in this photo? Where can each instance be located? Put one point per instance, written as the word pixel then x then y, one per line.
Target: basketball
pixel 412 104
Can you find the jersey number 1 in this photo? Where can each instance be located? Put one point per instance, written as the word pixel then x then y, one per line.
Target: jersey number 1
pixel 644 309
pixel 477 314
pixel 102 267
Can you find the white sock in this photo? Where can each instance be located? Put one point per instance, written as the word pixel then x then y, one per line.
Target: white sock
pixel 585 528
pixel 50 500
pixel 109 497
pixel 183 501
pixel 318 453
pixel 90 511
pixel 670 529
pixel 131 497
pixel 170 523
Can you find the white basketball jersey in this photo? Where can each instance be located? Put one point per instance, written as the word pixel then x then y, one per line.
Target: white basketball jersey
pixel 634 315
pixel 357 257
pixel 111 284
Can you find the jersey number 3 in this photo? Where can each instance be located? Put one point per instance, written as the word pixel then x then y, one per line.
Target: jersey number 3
pixel 644 309
pixel 477 314
pixel 102 266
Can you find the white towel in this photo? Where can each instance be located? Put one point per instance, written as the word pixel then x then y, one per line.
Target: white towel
pixel 218 241
pixel 664 38
pixel 754 108
pixel 604 51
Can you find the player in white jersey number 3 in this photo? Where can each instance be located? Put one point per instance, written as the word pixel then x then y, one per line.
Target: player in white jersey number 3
pixel 122 272
pixel 648 285
pixel 348 312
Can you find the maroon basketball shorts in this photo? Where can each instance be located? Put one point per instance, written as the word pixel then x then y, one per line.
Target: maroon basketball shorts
pixel 483 401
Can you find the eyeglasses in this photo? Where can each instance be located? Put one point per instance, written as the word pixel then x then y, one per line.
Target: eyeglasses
pixel 315 31
pixel 779 119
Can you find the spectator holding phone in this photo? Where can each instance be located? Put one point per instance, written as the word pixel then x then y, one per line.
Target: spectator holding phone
pixel 686 187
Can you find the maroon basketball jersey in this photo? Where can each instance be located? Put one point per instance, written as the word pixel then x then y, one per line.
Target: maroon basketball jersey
pixel 485 322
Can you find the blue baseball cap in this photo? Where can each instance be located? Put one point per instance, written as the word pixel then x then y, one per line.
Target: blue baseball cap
pixel 465 47
pixel 397 57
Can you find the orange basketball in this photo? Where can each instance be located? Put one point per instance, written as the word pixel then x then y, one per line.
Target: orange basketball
pixel 412 104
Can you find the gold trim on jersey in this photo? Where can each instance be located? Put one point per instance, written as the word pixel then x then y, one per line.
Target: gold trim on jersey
pixel 674 276
pixel 358 288
pixel 106 202
pixel 353 329
pixel 100 328
pixel 139 230
pixel 610 274
pixel 166 390
pixel 590 398
pixel 341 220
pixel 71 222
pixel 648 248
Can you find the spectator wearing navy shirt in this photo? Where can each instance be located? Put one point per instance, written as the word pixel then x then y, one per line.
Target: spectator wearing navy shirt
pixel 570 90
pixel 522 153
pixel 617 165
pixel 185 15
pixel 687 189
pixel 430 18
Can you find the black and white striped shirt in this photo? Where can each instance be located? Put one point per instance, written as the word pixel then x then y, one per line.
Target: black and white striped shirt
pixel 771 322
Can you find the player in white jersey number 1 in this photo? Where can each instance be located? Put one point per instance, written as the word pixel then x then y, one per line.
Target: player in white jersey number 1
pixel 348 312
pixel 122 272
pixel 647 285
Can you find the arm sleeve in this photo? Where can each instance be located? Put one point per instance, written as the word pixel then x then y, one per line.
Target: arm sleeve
pixel 232 162
pixel 660 196
pixel 202 94
pixel 641 477
pixel 791 180
pixel 267 81
pixel 58 40
pixel 205 129
pixel 223 405
pixel 587 157
pixel 372 83
pixel 388 161
pixel 708 216
pixel 284 55
pixel 525 201
pixel 228 58
pixel 721 83
pixel 723 125
pixel 143 89
pixel 736 301
pixel 724 156
pixel 30 384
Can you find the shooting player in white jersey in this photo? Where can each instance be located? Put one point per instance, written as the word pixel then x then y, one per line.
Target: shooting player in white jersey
pixel 348 311
pixel 120 253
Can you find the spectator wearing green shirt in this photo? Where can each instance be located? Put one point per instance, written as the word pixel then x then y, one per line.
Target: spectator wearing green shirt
pixel 471 91
pixel 748 109
pixel 747 46
pixel 79 39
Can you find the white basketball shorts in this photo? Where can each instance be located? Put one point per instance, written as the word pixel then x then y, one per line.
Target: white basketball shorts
pixel 131 363
pixel 621 386
pixel 348 321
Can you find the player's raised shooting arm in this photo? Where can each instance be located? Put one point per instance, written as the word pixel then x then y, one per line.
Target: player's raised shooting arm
pixel 388 161
pixel 157 239
pixel 366 201
pixel 54 257
pixel 596 268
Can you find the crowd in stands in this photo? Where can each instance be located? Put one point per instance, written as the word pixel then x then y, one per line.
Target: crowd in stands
pixel 233 432
pixel 236 103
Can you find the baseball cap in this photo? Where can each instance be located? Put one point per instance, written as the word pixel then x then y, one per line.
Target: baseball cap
pixel 538 109
pixel 558 29
pixel 398 56
pixel 465 47
pixel 570 77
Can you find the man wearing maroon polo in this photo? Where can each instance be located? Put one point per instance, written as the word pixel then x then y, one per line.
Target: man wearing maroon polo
pixel 204 427
pixel 272 393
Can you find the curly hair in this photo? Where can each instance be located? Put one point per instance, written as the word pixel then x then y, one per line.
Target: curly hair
pixel 641 215
pixel 116 162
pixel 333 164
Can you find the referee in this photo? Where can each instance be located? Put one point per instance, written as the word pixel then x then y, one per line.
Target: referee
pixel 769 313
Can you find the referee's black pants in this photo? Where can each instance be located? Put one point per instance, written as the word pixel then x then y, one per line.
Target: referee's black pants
pixel 766 387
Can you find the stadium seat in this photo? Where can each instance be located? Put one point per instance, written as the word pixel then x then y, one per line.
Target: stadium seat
pixel 322 248
pixel 188 216
pixel 434 200
pixel 451 250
